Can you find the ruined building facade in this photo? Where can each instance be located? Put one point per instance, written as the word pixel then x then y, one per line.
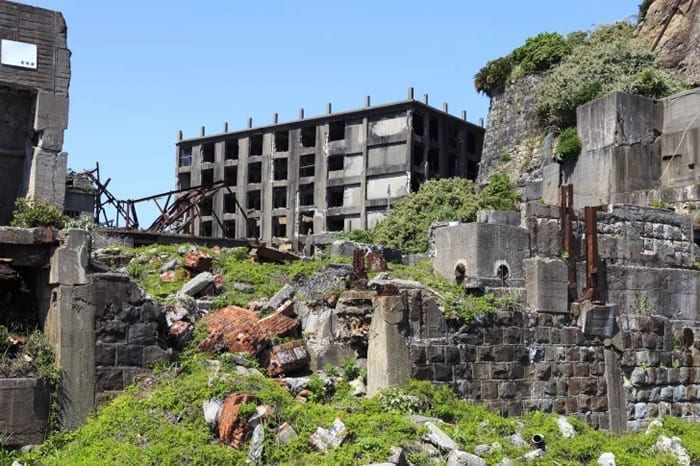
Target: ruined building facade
pixel 336 172
pixel 34 80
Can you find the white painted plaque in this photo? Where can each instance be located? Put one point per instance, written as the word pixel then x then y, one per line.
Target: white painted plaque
pixel 19 54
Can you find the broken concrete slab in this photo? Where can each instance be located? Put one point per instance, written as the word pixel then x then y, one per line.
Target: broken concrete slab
pixel 388 359
pixel 439 438
pixel 462 458
pixel 212 411
pixel 325 440
pixel 70 260
pixel 279 298
pixel 197 284
pixel 285 434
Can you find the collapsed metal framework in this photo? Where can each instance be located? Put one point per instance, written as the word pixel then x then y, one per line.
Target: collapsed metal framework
pixel 178 208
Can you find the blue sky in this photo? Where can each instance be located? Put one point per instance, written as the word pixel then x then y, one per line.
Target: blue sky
pixel 142 70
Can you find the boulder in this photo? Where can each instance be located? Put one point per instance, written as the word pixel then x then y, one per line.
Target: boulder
pixel 439 438
pixel 462 458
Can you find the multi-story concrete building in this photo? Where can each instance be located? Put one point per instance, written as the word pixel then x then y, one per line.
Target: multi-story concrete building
pixel 336 172
pixel 34 80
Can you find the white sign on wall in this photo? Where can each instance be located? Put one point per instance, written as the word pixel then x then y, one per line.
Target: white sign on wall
pixel 20 54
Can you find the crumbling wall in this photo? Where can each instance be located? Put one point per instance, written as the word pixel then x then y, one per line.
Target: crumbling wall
pixel 31 140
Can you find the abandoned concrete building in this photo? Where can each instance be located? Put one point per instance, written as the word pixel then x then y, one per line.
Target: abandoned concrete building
pixel 336 172
pixel 34 80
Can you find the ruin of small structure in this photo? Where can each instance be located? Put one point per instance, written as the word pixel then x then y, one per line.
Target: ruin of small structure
pixel 34 79
pixel 336 172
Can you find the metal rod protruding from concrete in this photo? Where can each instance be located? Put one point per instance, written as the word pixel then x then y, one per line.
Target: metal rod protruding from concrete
pixel 179 135
pixel 301 113
pixel 425 99
pixel 367 101
pixel 464 115
pixel 444 107
pixel 481 122
pixel 225 126
pixel 329 109
pixel 202 131
pixel 250 122
pixel 274 118
pixel 410 93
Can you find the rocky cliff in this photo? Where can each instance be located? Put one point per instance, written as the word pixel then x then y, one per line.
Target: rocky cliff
pixel 672 29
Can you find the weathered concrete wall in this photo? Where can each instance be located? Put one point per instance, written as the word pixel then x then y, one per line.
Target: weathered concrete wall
pixel 485 250
pixel 388 363
pixel 24 411
pixel 39 144
pixel 619 148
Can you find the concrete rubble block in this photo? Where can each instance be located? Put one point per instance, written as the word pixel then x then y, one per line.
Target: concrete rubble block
pixel 546 284
pixel 285 358
pixel 672 446
pixel 489 254
pixel 325 440
pixel 565 428
pixel 212 411
pixel 606 459
pixel 388 359
pixel 325 352
pixel 533 455
pixel 24 411
pixel 197 261
pixel 70 260
pixel 358 387
pixel 440 439
pixel 233 429
pixel 197 284
pixel 397 457
pixel 256 444
pixel 279 298
pixel 462 458
pixel 285 434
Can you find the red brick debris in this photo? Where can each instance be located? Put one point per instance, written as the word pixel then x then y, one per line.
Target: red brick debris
pixel 197 261
pixel 232 429
pixel 375 262
pixel 286 357
pixel 234 328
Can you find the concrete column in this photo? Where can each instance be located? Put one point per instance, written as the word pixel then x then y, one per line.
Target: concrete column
pixel 443 143
pixel 614 380
pixel 293 186
pixel 388 361
pixel 218 199
pixel 321 178
pixel 363 177
pixel 409 146
pixel 266 188
pixel 196 180
pixel 242 186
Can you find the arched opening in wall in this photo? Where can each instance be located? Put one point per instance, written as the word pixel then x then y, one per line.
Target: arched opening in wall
pixel 460 272
pixel 503 273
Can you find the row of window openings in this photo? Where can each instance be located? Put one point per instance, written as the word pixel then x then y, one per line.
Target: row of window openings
pixel 433 129
pixel 336 131
pixel 279 226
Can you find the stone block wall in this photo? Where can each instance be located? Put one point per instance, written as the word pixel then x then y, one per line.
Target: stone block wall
pixel 662 368
pixel 128 334
pixel 514 362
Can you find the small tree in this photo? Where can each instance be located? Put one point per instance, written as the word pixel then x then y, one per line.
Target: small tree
pixel 499 194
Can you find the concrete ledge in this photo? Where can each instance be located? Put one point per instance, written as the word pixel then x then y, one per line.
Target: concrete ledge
pixel 24 411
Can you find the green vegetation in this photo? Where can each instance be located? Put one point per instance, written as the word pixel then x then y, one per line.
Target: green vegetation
pixel 499 194
pixel 569 145
pixel 608 59
pixel 31 213
pixel 580 67
pixel 244 280
pixel 643 8
pixel 138 427
pixel 453 199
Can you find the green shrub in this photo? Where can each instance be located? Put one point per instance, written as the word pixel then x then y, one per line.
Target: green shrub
pixel 499 194
pixel 643 8
pixel 350 370
pixel 541 52
pixel 406 225
pixel 569 145
pixel 609 59
pixel 31 213
pixel 493 76
pixel 359 236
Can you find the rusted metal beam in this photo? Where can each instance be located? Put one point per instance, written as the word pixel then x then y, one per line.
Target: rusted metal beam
pixel 592 292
